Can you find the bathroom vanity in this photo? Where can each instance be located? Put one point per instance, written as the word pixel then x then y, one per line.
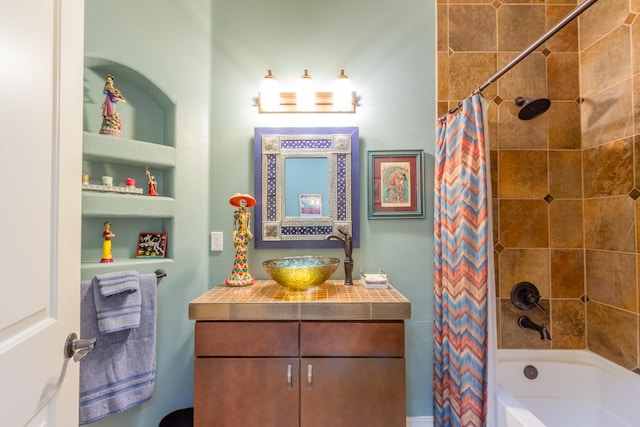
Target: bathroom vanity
pixel 331 356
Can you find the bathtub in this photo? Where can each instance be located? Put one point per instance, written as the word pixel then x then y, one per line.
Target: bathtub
pixel 573 388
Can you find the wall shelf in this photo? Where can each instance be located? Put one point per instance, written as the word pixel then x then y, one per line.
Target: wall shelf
pixel 127 151
pixel 90 269
pixel 96 204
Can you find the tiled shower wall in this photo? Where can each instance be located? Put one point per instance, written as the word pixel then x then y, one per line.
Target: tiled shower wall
pixel 564 184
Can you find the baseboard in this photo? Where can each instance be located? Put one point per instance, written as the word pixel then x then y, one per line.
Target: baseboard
pixel 419 421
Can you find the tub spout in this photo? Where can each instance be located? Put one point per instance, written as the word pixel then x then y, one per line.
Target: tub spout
pixel 347 242
pixel 526 323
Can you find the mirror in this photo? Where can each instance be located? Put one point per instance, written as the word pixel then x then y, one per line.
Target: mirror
pixel 306 185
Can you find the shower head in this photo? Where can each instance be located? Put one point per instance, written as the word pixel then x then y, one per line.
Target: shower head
pixel 531 108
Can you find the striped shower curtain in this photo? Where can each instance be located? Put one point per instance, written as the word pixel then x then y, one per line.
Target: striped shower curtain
pixel 463 271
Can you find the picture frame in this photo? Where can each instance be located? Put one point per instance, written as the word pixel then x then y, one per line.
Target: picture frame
pixel 395 184
pixel 310 204
pixel 152 244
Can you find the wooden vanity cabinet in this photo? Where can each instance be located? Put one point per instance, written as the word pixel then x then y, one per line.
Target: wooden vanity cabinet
pixel 299 374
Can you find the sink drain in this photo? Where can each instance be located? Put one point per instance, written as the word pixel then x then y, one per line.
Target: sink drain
pixel 531 372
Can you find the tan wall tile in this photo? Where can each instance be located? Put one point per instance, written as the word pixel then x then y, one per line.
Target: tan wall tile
pixel 565 174
pixel 565 224
pixel 568 324
pixel 467 71
pixel 443 71
pixel 607 115
pixel 565 40
pixel 609 224
pixel 611 279
pixel 528 79
pixel 524 223
pixel 563 77
pixel 608 169
pixel 523 174
pixel 606 63
pixel 520 134
pixel 635 43
pixel 472 28
pixel 524 265
pixel 513 336
pixel 567 273
pixel 600 19
pixel 516 38
pixel 564 125
pixel 636 101
pixel 442 27
pixel 613 334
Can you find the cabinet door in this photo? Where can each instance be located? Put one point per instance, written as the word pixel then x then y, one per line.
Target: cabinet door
pixel 248 392
pixel 351 392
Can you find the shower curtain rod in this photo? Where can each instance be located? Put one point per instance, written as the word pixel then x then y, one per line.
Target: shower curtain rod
pixel 560 25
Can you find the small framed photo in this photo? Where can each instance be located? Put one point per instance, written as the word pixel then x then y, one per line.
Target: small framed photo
pixel 395 184
pixel 152 245
pixel 310 204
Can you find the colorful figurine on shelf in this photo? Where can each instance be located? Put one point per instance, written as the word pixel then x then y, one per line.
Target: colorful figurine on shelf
pixel 111 124
pixel 240 275
pixel 107 235
pixel 153 184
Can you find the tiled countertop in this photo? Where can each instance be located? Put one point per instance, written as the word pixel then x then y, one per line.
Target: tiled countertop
pixel 266 300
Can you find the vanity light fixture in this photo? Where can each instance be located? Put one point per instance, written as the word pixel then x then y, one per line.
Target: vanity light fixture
pixel 305 99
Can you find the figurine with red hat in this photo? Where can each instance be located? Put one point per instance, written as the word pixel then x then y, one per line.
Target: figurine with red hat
pixel 240 276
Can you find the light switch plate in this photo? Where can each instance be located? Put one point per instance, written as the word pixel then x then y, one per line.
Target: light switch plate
pixel 216 240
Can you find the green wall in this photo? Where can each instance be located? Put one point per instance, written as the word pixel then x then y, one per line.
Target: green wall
pixel 168 42
pixel 209 56
pixel 388 50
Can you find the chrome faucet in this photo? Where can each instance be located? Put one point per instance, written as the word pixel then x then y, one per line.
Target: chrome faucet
pixel 526 323
pixel 347 242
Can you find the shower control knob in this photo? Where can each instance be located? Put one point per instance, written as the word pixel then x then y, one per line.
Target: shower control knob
pixel 525 296
pixel 78 348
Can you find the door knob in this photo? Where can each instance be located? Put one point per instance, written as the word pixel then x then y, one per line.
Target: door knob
pixel 77 348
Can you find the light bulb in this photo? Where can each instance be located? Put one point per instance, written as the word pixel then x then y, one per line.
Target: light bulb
pixel 269 93
pixel 342 96
pixel 306 94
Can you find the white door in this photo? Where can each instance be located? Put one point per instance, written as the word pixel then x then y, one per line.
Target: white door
pixel 41 80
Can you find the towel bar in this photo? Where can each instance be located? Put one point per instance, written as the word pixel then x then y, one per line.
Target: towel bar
pixel 160 273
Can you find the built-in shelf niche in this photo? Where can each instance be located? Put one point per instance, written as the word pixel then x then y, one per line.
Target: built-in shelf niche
pixel 147 140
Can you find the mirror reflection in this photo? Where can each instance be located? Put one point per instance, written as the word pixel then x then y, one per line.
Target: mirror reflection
pixel 306 186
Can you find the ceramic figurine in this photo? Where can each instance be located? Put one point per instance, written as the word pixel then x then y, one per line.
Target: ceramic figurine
pixel 107 235
pixel 111 124
pixel 153 185
pixel 240 276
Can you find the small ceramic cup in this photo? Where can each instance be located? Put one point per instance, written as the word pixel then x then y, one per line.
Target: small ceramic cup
pixel 107 180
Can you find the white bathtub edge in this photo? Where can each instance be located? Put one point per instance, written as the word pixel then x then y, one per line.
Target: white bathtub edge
pixel 511 413
pixel 419 421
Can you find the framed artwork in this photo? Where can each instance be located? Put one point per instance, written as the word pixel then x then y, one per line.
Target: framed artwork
pixel 395 184
pixel 152 245
pixel 310 204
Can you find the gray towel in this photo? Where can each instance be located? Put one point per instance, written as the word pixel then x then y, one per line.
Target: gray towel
pixel 120 282
pixel 118 301
pixel 120 371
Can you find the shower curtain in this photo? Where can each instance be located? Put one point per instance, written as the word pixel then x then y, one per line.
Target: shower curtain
pixel 464 312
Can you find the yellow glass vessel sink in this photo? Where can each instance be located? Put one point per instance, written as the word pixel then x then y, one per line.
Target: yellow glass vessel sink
pixel 301 272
